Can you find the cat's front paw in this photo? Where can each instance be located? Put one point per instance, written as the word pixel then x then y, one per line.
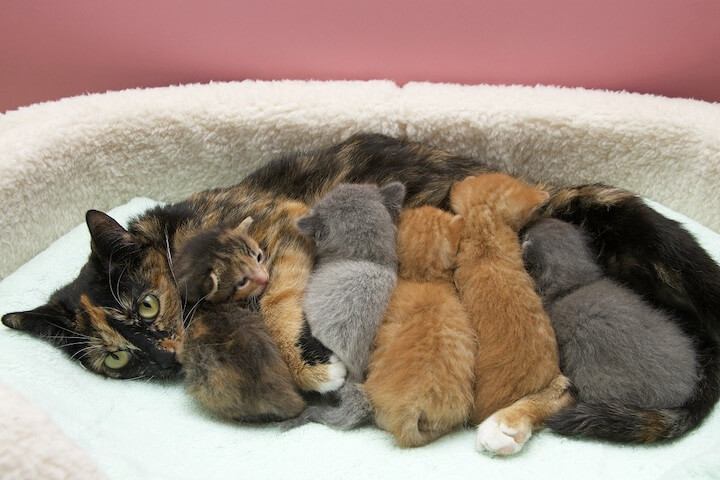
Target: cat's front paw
pixel 495 437
pixel 336 372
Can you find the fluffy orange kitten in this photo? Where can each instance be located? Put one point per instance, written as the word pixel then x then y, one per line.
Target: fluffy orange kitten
pixel 421 372
pixel 517 355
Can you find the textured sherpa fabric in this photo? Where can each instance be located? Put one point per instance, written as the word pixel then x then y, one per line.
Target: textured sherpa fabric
pixel 59 159
pixel 144 430
pixel 33 447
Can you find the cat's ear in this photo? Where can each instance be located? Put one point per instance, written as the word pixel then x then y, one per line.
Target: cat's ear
pixel 455 231
pixel 527 202
pixel 46 321
pixel 308 224
pixel 393 196
pixel 109 239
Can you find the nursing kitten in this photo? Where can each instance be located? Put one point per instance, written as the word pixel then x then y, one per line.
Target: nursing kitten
pixel 628 360
pixel 233 367
pixel 125 298
pixel 420 381
pixel 518 383
pixel 221 263
pixel 348 292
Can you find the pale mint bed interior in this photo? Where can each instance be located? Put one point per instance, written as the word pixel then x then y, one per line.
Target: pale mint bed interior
pixel 137 429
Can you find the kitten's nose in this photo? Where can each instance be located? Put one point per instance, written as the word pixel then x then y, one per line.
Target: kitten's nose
pixel 261 277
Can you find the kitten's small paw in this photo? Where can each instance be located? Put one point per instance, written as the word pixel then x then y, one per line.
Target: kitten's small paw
pixel 494 437
pixel 336 375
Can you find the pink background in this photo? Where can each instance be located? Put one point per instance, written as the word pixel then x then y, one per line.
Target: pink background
pixel 54 49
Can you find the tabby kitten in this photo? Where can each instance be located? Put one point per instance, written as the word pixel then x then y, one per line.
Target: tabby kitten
pixel 125 301
pixel 347 295
pixel 626 359
pixel 221 263
pixel 517 357
pixel 420 381
pixel 233 367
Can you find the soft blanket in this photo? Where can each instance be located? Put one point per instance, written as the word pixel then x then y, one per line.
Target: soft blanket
pixel 145 430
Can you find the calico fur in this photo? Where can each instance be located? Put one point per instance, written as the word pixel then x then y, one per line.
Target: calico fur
pixel 629 362
pixel 219 264
pixel 234 369
pixel 420 381
pixel 636 245
pixel 517 353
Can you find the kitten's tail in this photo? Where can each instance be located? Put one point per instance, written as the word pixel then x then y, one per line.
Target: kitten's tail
pixel 411 429
pixel 628 424
pixel 353 410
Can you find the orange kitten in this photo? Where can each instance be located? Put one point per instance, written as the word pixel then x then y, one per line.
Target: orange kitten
pixel 517 355
pixel 421 372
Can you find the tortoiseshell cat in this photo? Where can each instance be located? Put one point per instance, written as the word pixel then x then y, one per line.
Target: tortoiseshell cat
pixel 420 381
pixel 353 228
pixel 126 303
pixel 517 356
pixel 626 359
pixel 219 264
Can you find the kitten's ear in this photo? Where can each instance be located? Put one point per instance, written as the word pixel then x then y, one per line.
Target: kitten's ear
pixel 308 224
pixel 45 321
pixel 209 286
pixel 456 229
pixel 244 225
pixel 525 205
pixel 458 194
pixel 109 239
pixel 393 197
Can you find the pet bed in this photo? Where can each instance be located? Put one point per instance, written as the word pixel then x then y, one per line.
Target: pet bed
pixel 61 158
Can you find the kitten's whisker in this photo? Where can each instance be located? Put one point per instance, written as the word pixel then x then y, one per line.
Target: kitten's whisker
pixel 172 272
pixel 191 314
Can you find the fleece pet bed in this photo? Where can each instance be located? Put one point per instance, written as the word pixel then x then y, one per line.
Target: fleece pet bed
pixel 61 158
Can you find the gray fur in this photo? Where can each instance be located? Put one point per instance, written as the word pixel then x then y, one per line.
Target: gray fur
pixel 348 292
pixel 614 346
pixel 354 410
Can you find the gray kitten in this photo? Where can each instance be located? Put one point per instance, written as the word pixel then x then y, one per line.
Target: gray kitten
pixel 625 357
pixel 347 295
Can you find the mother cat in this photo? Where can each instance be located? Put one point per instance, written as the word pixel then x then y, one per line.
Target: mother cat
pixel 124 316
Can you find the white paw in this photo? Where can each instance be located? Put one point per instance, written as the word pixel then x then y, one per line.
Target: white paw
pixel 337 373
pixel 498 439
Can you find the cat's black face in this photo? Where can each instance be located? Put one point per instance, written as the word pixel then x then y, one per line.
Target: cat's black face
pixel 122 316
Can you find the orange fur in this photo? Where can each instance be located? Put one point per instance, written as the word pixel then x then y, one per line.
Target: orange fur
pixel 421 372
pixel 517 353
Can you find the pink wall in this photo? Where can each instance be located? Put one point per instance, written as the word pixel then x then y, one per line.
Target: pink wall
pixel 53 49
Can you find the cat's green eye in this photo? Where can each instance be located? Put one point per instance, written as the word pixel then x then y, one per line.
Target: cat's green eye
pixel 149 307
pixel 117 360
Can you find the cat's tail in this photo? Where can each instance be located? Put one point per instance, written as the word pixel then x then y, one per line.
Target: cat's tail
pixel 353 410
pixel 628 424
pixel 411 429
